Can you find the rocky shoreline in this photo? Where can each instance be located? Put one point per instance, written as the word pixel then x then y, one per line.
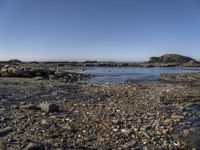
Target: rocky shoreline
pixel 184 78
pixel 55 115
pixel 90 116
pixel 42 72
pixel 41 107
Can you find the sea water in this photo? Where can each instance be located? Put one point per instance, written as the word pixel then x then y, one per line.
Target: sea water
pixel 129 74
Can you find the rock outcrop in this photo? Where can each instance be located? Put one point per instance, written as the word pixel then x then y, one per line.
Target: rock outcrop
pixel 184 78
pixel 192 63
pixel 42 73
pixel 14 61
pixel 171 58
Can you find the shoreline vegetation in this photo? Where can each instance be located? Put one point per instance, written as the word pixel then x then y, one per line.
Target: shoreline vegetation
pixel 44 106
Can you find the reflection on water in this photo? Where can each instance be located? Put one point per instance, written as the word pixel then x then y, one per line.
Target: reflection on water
pixel 124 74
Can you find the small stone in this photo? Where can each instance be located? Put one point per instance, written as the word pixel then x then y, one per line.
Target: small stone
pixel 28 107
pixel 52 77
pixel 126 131
pixel 178 144
pixel 115 130
pixel 35 146
pixel 49 107
pixel 5 131
pixel 116 121
pixel 69 128
pixel 177 116
pixel 3 119
pixel 145 148
pixel 44 122
pixel 167 121
pixel 11 140
pixel 146 127
pixel 52 117
pixel 38 78
pixel 22 103
pixel 146 135
pixel 129 145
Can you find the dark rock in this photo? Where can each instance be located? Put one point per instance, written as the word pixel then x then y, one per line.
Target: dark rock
pixel 14 61
pixel 49 107
pixel 5 131
pixel 41 73
pixel 171 58
pixel 154 59
pixel 11 140
pixel 35 146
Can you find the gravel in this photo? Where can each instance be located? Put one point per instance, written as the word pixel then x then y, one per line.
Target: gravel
pixel 91 116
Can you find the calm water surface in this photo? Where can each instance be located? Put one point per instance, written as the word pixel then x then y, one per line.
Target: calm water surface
pixel 124 74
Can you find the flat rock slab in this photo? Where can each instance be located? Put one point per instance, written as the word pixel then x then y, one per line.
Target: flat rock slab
pixel 188 78
pixel 188 94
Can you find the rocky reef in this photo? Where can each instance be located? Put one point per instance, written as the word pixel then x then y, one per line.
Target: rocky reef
pixel 39 72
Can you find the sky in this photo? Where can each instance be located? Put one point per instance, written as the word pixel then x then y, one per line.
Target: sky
pixel 114 30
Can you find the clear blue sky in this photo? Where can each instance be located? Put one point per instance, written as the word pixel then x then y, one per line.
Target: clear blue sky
pixel 120 30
